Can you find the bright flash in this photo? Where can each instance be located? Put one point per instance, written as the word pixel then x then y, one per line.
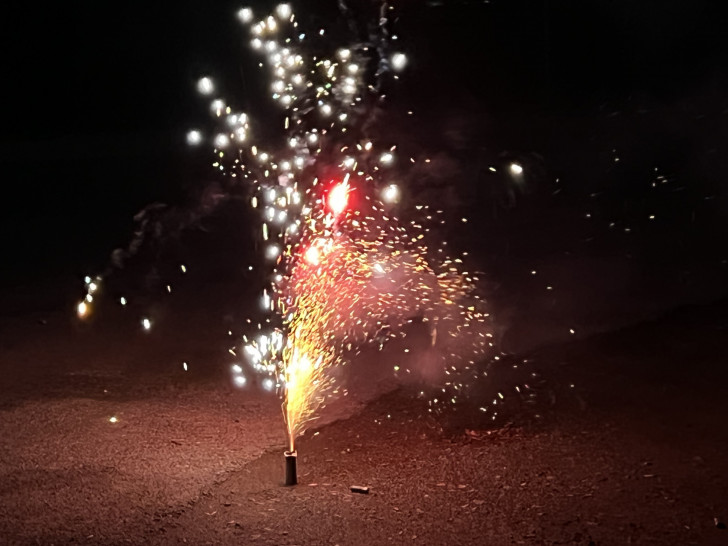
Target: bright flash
pixel 82 309
pixel 313 255
pixel 338 198
pixel 146 324
pixel 516 169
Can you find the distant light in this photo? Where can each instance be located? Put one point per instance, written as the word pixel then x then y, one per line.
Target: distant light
pixel 82 309
pixel 146 324
pixel 205 86
pixel 516 169
pixel 391 194
pixel 113 419
pixel 122 300
pixel 183 268
pixel 194 137
pixel 399 60
pixel 184 366
pixel 245 15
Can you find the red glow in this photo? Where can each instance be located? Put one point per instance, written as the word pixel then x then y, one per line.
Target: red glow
pixel 338 198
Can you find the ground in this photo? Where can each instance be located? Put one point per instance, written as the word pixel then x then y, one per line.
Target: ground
pixel 623 442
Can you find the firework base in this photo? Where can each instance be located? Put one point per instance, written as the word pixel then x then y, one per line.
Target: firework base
pixel 291 472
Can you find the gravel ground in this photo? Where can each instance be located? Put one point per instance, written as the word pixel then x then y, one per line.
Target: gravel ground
pixel 624 443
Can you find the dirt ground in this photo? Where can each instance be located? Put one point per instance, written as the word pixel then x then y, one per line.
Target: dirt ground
pixel 622 440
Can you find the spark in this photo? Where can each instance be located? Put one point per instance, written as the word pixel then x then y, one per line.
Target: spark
pixel 338 198
pixel 245 15
pixel 399 61
pixel 205 86
pixel 194 137
pixel 391 194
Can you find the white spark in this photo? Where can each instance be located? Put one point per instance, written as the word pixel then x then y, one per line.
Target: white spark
pixel 391 194
pixel 194 137
pixel 399 60
pixel 245 15
pixel 205 86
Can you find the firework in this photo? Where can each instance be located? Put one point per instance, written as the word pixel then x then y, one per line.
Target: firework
pixel 344 269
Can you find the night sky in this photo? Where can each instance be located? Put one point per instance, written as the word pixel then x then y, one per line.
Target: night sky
pixel 98 100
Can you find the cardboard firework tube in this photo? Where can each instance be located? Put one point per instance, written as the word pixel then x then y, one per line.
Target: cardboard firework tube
pixel 291 477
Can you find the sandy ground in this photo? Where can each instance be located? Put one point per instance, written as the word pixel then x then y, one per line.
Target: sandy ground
pixel 621 441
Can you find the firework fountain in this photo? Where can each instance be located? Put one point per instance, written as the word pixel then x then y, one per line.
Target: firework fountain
pixel 345 268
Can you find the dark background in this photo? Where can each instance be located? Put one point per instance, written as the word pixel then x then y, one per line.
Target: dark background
pixel 597 100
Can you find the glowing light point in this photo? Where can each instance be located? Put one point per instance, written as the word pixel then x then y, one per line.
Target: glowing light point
pixel 194 137
pixel 113 419
pixel 283 11
pixel 184 366
pixel 272 252
pixel 399 61
pixel 516 169
pixel 245 15
pixel 391 194
pixel 222 141
pixel 205 86
pixel 268 384
pixel 386 158
pixel 146 324
pixel 312 255
pixel 122 300
pixel 82 309
pixel 338 198
pixel 240 380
